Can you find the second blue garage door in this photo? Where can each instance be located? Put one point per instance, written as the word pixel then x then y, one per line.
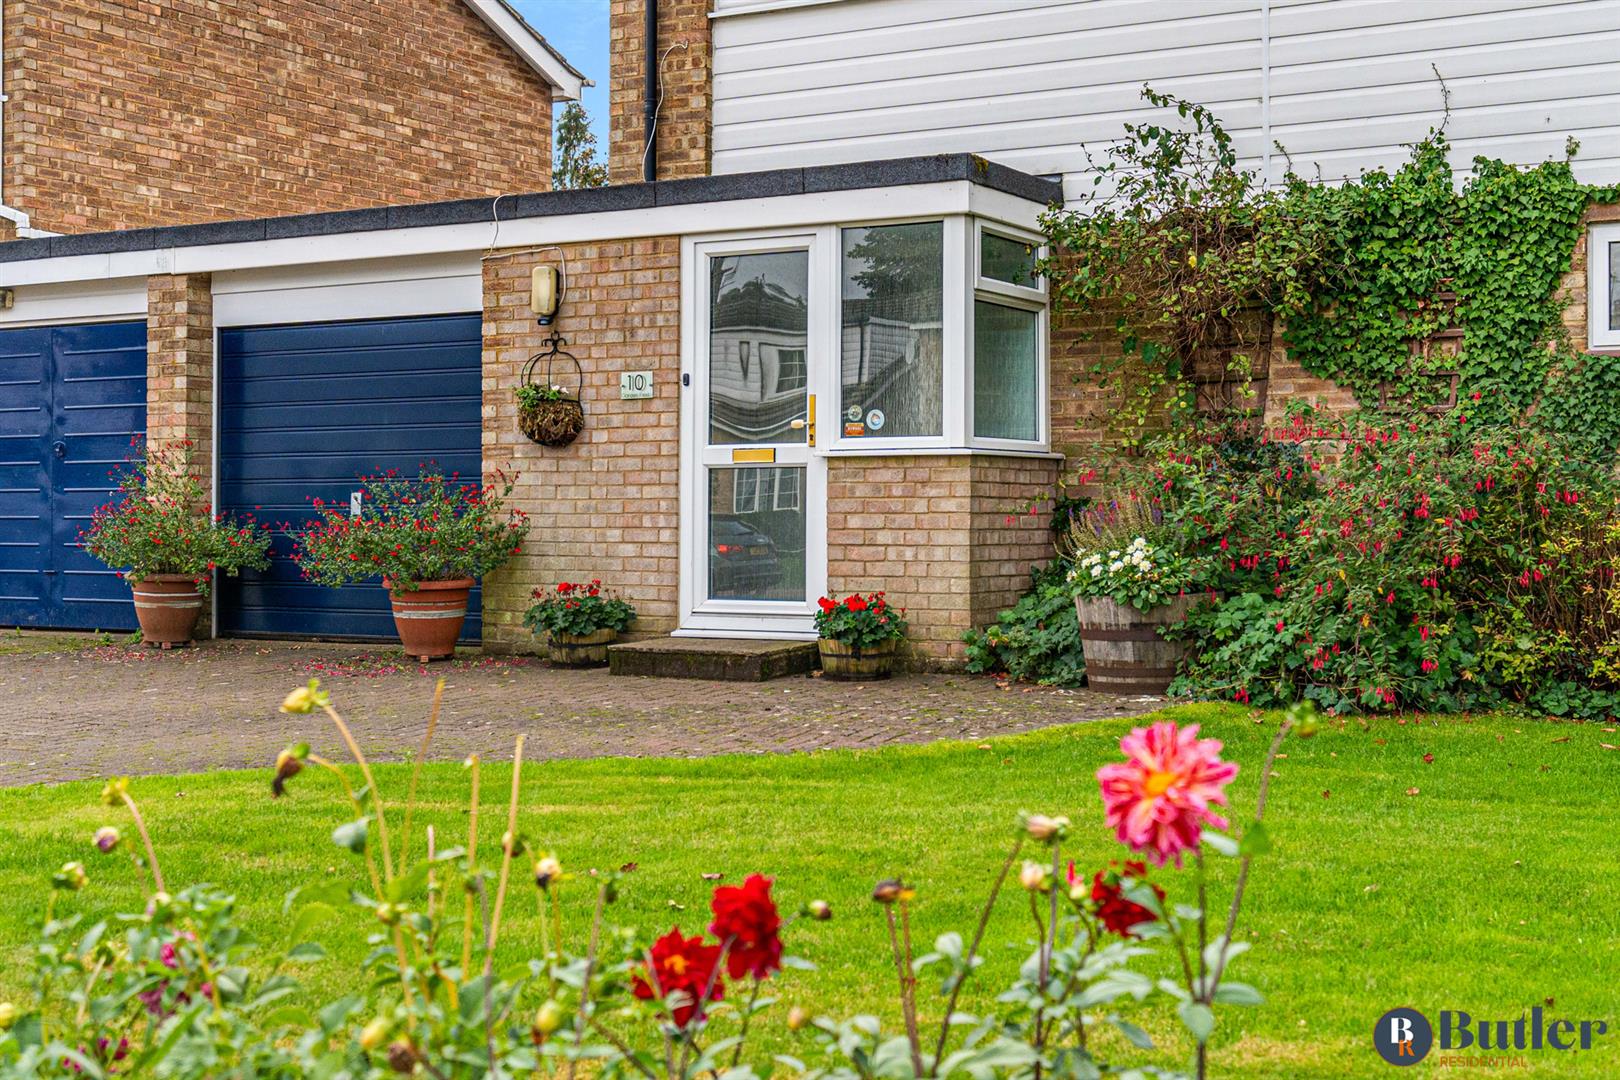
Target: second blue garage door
pixel 305 410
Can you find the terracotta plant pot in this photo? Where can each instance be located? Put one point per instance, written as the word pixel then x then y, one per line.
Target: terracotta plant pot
pixel 167 606
pixel 428 616
pixel 581 650
pixel 1123 649
pixel 840 661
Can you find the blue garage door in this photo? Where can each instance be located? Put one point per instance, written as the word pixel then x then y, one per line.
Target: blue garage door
pixel 71 399
pixel 303 411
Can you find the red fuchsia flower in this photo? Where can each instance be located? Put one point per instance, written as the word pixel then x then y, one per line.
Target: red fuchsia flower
pixel 1117 914
pixel 746 916
pixel 1160 798
pixel 683 969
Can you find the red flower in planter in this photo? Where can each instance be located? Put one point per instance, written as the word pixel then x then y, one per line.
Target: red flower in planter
pixel 828 605
pixel 855 603
pixel 746 916
pixel 683 969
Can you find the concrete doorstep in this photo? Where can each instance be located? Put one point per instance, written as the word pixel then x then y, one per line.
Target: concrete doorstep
pixel 716 659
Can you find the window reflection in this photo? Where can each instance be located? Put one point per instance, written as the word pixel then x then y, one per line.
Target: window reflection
pixel 757 320
pixel 893 368
pixel 756 533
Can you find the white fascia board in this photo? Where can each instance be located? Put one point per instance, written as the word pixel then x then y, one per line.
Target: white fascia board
pixel 78 301
pixel 781 212
pixel 535 51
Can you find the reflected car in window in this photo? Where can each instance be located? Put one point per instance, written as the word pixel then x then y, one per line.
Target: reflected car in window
pixel 743 562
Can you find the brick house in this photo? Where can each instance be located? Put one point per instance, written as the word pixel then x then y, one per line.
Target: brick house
pixel 126 115
pixel 853 380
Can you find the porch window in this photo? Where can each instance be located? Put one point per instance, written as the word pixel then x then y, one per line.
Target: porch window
pixel 942 337
pixel 1603 287
pixel 892 375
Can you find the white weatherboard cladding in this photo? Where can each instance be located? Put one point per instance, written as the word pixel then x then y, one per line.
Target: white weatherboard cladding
pixel 1344 85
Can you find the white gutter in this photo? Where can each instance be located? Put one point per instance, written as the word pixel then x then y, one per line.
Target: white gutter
pixel 10 213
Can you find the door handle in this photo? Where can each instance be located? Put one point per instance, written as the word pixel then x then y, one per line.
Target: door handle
pixel 59 449
pixel 810 419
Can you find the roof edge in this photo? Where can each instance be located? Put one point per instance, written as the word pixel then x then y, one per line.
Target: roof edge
pixel 566 80
pixel 809 180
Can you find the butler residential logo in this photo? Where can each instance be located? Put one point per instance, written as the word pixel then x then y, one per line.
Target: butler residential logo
pixel 1405 1036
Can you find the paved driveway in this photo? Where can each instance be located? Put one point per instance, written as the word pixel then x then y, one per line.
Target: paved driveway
pixel 76 709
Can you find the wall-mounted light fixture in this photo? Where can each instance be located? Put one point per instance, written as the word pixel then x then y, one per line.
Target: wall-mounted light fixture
pixel 546 293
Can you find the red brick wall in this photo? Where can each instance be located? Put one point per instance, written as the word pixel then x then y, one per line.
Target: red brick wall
pixel 180 362
pixel 684 119
pixel 608 505
pixel 130 113
pixel 932 532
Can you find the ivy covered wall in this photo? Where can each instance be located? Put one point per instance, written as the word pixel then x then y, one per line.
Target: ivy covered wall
pixel 1402 290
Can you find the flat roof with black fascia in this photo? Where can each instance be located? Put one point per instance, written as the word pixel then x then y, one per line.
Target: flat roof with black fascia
pixel 896 172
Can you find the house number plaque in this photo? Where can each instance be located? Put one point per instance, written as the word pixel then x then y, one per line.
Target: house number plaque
pixel 634 385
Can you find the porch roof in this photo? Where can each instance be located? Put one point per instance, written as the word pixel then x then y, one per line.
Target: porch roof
pixel 811 180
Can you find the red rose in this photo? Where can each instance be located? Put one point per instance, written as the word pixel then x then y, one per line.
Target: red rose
pixel 683 968
pixel 746 916
pixel 1117 914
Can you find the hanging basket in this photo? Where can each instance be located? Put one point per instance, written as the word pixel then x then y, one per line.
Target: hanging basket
pixel 553 423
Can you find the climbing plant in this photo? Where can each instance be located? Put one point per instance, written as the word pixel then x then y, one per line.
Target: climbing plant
pixel 1179 243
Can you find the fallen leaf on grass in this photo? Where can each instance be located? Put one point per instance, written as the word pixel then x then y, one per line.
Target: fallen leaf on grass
pixel 1561 738
pixel 1412 791
pixel 713 877
pixel 1325 794
pixel 1608 746
pixel 1428 759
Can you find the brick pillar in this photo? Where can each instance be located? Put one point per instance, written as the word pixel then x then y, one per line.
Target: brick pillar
pixel 684 119
pixel 180 362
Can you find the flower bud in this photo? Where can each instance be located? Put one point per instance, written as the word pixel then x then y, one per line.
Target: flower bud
pixel 106 839
pixel 515 842
pixel 888 891
pixel 548 1018
pixel 374 1033
pixel 1044 829
pixel 1033 876
pixel 818 910
pixel 116 791
pixel 547 871
pixel 8 1015
pixel 289 763
pixel 388 914
pixel 71 877
pixel 401 1056
pixel 306 699
pixel 798 1017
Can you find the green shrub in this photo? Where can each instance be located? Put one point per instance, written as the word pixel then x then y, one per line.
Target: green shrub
pixel 1036 639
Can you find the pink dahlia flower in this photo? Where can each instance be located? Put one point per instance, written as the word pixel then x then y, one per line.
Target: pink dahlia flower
pixel 1159 799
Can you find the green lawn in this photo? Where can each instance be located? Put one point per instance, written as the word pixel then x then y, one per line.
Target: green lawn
pixel 1492 888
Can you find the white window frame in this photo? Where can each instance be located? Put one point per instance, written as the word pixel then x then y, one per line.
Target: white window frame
pixel 1599 333
pixel 1022 297
pixel 776 489
pixel 751 505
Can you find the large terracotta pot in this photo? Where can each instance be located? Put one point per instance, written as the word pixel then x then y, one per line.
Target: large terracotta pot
pixel 428 615
pixel 581 650
pixel 1123 649
pixel 167 607
pixel 840 661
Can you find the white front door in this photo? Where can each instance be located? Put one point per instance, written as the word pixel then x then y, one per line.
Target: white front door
pixel 753 490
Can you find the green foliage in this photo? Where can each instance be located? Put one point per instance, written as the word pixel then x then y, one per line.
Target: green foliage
pixel 578 609
pixel 1037 638
pixel 1183 250
pixel 164 524
pixel 574 163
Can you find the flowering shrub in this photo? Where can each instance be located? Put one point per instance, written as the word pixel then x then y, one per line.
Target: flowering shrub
pixel 425 528
pixel 171 993
pixel 165 525
pixel 1381 564
pixel 577 609
pixel 861 622
pixel 1140 575
pixel 1038 638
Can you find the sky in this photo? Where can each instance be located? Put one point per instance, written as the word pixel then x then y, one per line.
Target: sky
pixel 579 30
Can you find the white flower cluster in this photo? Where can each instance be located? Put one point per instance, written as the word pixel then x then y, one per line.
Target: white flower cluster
pixel 1136 559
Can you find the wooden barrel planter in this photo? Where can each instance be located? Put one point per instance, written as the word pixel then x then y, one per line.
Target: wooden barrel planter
pixel 581 650
pixel 840 661
pixel 1123 649
pixel 429 614
pixel 167 606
